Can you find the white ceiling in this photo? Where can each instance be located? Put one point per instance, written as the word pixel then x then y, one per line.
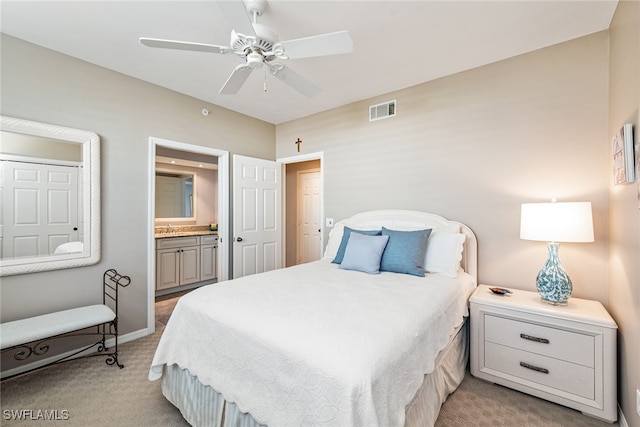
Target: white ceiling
pixel 397 44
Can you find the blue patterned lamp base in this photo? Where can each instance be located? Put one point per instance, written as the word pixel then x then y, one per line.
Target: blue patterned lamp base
pixel 552 282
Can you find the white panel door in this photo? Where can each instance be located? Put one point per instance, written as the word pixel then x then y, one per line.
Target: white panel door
pixel 45 208
pixel 309 227
pixel 257 235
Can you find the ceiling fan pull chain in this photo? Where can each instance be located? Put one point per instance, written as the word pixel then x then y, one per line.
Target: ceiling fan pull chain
pixel 265 79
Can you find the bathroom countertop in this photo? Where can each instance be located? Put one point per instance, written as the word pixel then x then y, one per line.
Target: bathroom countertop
pixel 168 235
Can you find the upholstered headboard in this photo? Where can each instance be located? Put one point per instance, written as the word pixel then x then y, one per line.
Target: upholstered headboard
pixel 408 220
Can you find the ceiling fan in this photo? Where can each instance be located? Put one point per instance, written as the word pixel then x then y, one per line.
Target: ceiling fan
pixel 259 46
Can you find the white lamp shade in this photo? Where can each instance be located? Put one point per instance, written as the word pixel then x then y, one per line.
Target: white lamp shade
pixel 557 222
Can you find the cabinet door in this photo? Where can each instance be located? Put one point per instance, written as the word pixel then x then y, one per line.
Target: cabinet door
pixel 208 263
pixel 189 265
pixel 167 268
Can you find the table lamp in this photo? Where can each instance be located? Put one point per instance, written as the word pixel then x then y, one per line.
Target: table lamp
pixel 553 223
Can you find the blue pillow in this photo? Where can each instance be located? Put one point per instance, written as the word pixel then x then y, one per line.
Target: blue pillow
pixel 405 252
pixel 363 253
pixel 345 239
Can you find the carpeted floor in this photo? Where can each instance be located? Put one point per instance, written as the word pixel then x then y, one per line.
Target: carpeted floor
pixel 479 403
pixel 89 393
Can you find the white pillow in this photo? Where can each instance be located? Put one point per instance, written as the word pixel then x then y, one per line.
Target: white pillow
pixel 444 253
pixel 335 237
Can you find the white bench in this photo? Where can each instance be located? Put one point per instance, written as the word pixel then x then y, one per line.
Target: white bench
pixel 32 336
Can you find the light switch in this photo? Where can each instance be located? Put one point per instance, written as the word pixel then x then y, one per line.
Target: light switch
pixel 329 222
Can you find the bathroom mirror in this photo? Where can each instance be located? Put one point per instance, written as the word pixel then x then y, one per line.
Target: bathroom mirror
pixel 174 195
pixel 186 187
pixel 50 192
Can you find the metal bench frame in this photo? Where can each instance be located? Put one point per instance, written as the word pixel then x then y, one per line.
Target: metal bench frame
pixel 112 280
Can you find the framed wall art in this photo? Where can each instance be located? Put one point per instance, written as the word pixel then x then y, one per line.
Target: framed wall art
pixel 623 155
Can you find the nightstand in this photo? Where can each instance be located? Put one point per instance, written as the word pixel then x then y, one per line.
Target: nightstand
pixel 565 354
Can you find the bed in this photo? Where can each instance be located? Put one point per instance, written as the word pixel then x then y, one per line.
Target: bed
pixel 331 342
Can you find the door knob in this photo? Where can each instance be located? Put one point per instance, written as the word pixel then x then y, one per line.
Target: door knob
pixel 238 239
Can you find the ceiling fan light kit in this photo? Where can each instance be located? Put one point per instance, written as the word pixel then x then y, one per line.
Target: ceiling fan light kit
pixel 254 60
pixel 258 45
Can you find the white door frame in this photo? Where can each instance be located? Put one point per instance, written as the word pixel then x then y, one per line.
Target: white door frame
pixel 284 161
pixel 223 215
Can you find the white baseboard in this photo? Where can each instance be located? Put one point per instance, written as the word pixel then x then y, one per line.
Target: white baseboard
pixel 131 336
pixel 110 342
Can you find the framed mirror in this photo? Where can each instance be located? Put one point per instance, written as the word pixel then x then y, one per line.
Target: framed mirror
pixel 186 187
pixel 175 195
pixel 50 192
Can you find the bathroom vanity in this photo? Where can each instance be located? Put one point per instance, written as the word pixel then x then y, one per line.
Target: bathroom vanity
pixel 185 259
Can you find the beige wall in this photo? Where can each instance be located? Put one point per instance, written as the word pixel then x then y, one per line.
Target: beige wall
pixel 42 85
pixel 624 206
pixel 473 147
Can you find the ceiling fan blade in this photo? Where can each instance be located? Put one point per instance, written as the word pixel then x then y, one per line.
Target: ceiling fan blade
pixel 175 44
pixel 236 80
pixel 237 15
pixel 321 45
pixel 296 81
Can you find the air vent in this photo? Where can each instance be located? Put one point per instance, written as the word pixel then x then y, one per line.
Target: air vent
pixel 382 111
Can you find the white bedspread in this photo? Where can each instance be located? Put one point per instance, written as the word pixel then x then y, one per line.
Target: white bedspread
pixel 314 345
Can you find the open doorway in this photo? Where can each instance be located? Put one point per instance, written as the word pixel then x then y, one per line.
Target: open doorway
pixel 303 208
pixel 197 213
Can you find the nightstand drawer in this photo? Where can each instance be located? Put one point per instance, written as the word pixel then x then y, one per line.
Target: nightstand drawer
pixel 559 344
pixel 545 371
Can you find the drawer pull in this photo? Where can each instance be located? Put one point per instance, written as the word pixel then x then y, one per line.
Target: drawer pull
pixel 534 368
pixel 536 339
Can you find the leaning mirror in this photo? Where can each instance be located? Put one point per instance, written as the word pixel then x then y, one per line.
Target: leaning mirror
pixel 50 196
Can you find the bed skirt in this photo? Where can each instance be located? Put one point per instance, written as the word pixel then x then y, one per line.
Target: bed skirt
pixel 202 406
